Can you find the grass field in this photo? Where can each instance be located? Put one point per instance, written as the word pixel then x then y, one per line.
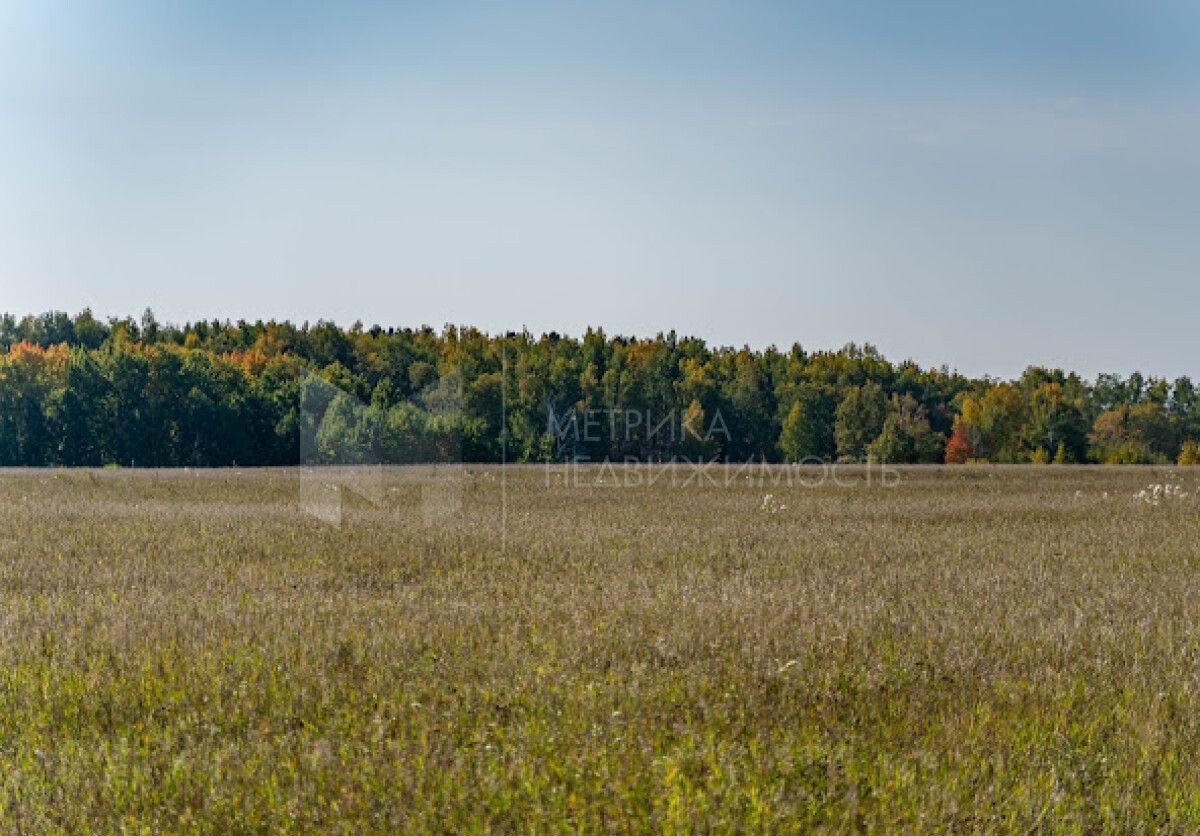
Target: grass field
pixel 972 649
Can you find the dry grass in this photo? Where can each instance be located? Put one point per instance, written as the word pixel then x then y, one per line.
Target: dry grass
pixel 974 649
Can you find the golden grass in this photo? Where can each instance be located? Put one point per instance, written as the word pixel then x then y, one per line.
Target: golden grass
pixel 973 649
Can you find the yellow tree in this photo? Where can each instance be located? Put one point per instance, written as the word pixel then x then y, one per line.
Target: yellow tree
pixel 992 422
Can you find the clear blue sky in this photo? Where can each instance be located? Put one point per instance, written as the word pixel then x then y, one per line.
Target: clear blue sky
pixel 984 185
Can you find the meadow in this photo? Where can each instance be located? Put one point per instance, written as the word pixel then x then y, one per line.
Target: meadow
pixel 973 648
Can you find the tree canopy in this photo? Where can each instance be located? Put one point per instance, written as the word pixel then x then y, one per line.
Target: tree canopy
pixel 84 391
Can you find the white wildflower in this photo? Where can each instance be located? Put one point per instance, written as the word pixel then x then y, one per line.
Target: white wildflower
pixel 771 505
pixel 1157 493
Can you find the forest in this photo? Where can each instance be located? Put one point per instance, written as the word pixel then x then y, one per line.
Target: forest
pixel 84 391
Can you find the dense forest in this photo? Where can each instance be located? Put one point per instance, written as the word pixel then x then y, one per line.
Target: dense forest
pixel 84 391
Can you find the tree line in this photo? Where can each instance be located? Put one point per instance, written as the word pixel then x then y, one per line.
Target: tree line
pixel 85 391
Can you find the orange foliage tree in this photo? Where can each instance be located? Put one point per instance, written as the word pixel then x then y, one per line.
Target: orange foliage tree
pixel 958 448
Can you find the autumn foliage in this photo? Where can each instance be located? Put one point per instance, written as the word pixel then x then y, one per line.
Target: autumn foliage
pixel 958 448
pixel 81 391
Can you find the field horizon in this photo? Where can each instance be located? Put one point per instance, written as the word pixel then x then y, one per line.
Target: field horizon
pixel 770 417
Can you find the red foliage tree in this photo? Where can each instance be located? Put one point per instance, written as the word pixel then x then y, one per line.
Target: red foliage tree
pixel 958 448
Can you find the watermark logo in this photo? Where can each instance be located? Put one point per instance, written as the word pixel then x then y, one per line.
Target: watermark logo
pixel 717 472
pixel 347 448
pixel 680 448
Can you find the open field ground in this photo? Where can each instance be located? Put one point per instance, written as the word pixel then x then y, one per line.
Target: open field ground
pixel 971 648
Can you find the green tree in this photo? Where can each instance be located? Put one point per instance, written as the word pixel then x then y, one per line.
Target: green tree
pixel 1054 420
pixel 859 420
pixel 797 439
pixel 906 436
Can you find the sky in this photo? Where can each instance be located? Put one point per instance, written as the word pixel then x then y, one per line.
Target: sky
pixel 982 185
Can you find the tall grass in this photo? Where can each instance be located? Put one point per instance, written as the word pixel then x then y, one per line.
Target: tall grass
pixel 972 649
